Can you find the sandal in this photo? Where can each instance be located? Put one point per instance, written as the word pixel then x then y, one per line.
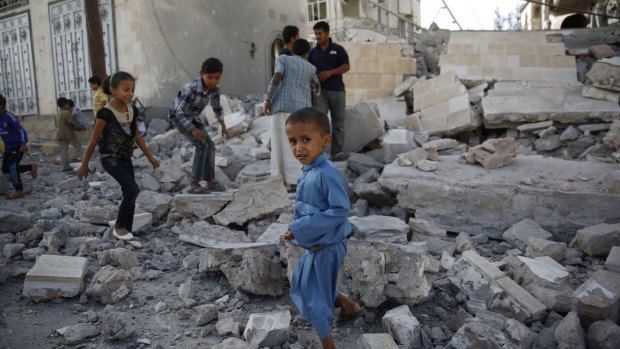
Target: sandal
pixel 197 190
pixel 215 186
pixel 344 319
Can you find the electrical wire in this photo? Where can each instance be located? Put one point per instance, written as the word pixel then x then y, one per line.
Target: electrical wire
pixel 572 10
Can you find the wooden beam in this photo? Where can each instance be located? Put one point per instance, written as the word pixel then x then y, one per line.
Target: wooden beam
pixel 96 49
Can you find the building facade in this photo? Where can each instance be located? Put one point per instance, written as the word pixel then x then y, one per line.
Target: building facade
pixel 561 14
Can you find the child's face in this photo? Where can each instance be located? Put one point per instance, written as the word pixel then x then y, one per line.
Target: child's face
pixel 93 87
pixel 210 80
pixel 306 141
pixel 124 91
pixel 66 106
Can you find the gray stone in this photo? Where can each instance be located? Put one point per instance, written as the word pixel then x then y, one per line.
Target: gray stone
pixel 141 222
pixel 376 341
pixel 521 305
pixel 538 247
pixel 602 51
pixel 403 327
pixel 405 86
pixel 32 253
pixel 148 182
pixel 380 229
pixel 575 148
pixel 474 335
pixel 77 333
pixel 534 126
pixel 597 240
pixel 228 326
pixel 441 144
pixel 204 234
pixel 158 126
pixel 424 227
pixel 7 238
pixel 160 306
pixel 186 290
pixel 261 153
pixel 232 343
pixel 411 157
pixel 548 144
pixel 604 334
pixel 599 93
pixel 363 122
pixel 521 334
pixel 613 260
pixel 118 325
pixel 254 172
pixel 612 181
pixel 206 313
pixel 569 334
pixel 155 203
pixel 570 134
pixel 12 250
pixel 51 213
pixel 546 280
pixel 267 329
pixel 74 244
pixel 255 200
pixel 493 153
pixel 273 234
pixel 464 243
pixel 95 212
pixel 54 239
pixel 598 297
pixel 546 339
pixel 605 73
pixel 519 233
pixel 109 285
pixel 437 246
pixel 374 194
pixel 215 256
pixel 256 274
pixel 12 220
pixel 362 163
pixel 426 165
pixel 589 128
pixel 55 276
pixel 612 137
pixel 397 141
pixel 548 132
pixel 119 257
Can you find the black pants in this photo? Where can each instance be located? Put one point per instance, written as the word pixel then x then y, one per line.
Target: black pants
pixel 10 165
pixel 122 171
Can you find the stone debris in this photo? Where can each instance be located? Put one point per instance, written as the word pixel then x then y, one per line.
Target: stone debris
pixel 380 229
pixel 14 220
pixel 204 234
pixel 267 329
pixel 493 153
pixel 597 240
pixel 403 327
pixel 518 235
pixel 613 260
pixel 55 276
pixel 604 334
pixel 605 74
pixel 206 313
pixel 376 341
pixel 598 297
pixel 110 285
pixel 569 334
pixel 141 221
pixel 77 333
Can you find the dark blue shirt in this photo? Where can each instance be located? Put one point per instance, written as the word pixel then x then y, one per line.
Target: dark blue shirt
pixel 12 133
pixel 333 57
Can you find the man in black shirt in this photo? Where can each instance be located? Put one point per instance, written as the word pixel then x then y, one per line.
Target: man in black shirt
pixel 331 61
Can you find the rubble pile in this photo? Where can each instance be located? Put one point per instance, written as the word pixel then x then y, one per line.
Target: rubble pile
pixel 474 226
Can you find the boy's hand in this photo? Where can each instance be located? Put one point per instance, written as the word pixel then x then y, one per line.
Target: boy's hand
pixel 198 134
pixel 267 108
pixel 288 236
pixel 82 171
pixel 25 148
pixel 154 162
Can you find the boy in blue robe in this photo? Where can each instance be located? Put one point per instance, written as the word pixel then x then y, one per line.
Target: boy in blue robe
pixel 321 225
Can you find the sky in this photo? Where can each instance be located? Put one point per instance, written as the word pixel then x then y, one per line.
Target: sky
pixel 471 14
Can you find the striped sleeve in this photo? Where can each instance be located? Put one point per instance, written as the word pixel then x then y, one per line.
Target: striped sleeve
pixel 23 136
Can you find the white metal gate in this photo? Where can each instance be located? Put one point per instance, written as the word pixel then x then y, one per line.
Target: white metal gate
pixel 70 48
pixel 16 65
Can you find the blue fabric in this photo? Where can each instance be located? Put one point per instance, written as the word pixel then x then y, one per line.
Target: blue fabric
pixel 79 117
pixel 12 133
pixel 191 100
pixel 333 57
pixel 294 91
pixel 321 219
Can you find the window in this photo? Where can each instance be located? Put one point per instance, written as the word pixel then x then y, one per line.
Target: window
pixel 4 4
pixel 317 10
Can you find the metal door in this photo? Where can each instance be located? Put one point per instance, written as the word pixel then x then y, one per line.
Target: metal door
pixel 16 65
pixel 70 48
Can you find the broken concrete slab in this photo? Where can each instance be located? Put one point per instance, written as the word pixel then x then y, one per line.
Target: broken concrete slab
pixel 110 285
pixel 569 334
pixel 140 221
pixel 613 260
pixel 156 203
pixel 376 228
pixel 493 153
pixel 255 172
pixel 215 255
pixel 424 227
pixel 376 341
pixel 390 109
pixel 496 200
pixel 519 233
pixel 267 329
pixel 364 123
pixel 362 163
pixel 119 258
pixel 534 126
pixel 12 220
pixel 546 280
pixel 397 141
pixel 612 138
pixel 75 334
pixel 273 234
pixel 257 273
pixel 526 307
pixel 538 247
pixel 510 104
pixel 603 334
pixel 598 297
pixel 55 276
pixel 600 94
pixel 403 327
pixel 605 73
pixel 597 240
pixel 255 200
pixel 204 234
pixel 201 206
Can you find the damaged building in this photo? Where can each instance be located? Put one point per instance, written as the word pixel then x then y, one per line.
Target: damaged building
pixel 484 177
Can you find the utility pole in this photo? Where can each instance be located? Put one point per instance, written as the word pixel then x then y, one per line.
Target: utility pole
pixel 96 49
pixel 454 18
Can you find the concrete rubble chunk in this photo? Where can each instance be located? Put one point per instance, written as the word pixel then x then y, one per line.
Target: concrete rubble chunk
pixel 204 234
pixel 75 334
pixel 597 240
pixel 613 260
pixel 95 212
pixel 598 297
pixel 267 329
pixel 255 200
pixel 405 86
pixel 376 341
pixel 426 165
pixel 437 246
pixel 473 335
pixel 546 280
pixel 156 203
pixel 216 255
pixel 519 233
pixel 117 325
pixel 570 134
pixel 14 221
pixel 55 276
pixel 119 258
pixel 612 137
pixel 569 334
pixel 141 222
pixel 362 121
pixel 12 250
pixel 464 243
pixel 602 51
pixel 374 194
pixel 380 229
pixel 493 153
pixel 232 343
pixel 403 327
pixel 257 274
pixel 605 73
pixel 612 181
pixel 186 289
pixel 534 126
pixel 441 144
pixel 109 285
pixel 254 172
pixel 362 163
pixel 206 313
pixel 482 265
pixel 424 227
pixel 396 142
pixel 603 334
pixel 410 158
pixel 529 308
pixel 237 123
pixel 227 326
pixel 538 247
pixel 593 92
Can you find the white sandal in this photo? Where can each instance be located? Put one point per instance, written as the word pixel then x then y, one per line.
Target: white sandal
pixel 127 236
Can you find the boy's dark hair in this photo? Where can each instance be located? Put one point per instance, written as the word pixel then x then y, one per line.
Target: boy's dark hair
pixel 289 32
pixel 310 115
pixel 2 101
pixel 61 101
pixel 321 25
pixel 301 47
pixel 95 80
pixel 114 79
pixel 212 65
pixel 71 103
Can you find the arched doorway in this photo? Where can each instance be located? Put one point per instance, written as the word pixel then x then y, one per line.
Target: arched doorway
pixel 276 47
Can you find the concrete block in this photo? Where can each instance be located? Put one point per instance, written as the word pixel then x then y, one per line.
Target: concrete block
pixel 613 260
pixel 597 240
pixel 403 326
pixel 55 276
pixel 598 298
pixel 482 265
pixel 518 234
pixel 267 329
pixel 376 341
pixel 534 308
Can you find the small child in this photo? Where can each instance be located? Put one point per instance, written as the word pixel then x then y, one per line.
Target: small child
pixel 115 132
pixel 66 125
pixel 15 141
pixel 184 114
pixel 100 99
pixel 321 225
